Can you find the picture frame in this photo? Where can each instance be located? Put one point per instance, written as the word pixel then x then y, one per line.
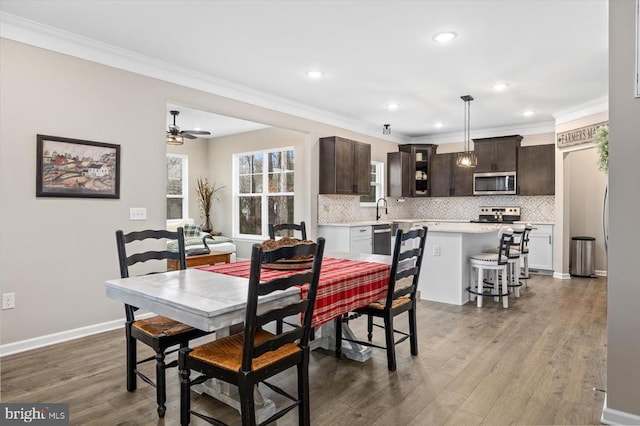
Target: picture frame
pixel 76 168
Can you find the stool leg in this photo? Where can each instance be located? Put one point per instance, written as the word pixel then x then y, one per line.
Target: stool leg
pixel 495 288
pixel 526 270
pixel 505 289
pixel 479 288
pixel 472 296
pixel 515 277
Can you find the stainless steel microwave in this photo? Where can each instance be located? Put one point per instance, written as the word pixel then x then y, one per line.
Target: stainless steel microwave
pixel 494 183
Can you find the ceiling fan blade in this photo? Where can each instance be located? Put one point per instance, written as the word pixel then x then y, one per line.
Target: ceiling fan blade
pixel 196 132
pixel 187 135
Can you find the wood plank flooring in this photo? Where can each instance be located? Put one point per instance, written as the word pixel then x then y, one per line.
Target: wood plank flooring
pixel 534 363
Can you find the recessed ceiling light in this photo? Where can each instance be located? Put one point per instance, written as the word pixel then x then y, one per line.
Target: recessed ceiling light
pixel 445 36
pixel 528 113
pixel 314 74
pixel 438 124
pixel 499 87
pixel 393 106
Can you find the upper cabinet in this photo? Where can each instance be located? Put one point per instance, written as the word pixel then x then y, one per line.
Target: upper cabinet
pixel 408 171
pixel 449 180
pixel 536 170
pixel 344 166
pixel 499 154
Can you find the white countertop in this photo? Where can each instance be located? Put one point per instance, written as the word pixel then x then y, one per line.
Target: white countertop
pixel 430 222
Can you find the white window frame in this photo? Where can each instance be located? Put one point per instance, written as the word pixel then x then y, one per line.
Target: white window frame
pixel 185 189
pixel 264 195
pixel 379 183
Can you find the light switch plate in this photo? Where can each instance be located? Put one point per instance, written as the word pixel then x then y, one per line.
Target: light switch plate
pixel 138 213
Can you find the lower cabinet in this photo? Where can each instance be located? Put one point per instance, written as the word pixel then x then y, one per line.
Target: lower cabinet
pixel 349 239
pixel 541 248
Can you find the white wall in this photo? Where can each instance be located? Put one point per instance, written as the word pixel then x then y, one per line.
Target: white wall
pixel 623 310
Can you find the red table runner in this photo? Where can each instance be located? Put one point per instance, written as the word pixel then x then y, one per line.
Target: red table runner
pixel 344 284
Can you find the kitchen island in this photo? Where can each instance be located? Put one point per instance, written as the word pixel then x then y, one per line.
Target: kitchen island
pixel 445 266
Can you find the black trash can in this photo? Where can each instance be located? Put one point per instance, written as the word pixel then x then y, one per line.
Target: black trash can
pixel 582 262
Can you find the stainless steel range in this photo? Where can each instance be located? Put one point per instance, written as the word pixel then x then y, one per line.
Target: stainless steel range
pixel 496 214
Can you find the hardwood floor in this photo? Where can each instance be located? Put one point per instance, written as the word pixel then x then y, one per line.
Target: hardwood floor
pixel 534 363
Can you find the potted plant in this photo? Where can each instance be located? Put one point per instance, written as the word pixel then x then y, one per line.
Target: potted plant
pixel 206 191
pixel 601 139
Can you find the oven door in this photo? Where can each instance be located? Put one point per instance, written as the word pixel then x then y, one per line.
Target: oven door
pixel 494 183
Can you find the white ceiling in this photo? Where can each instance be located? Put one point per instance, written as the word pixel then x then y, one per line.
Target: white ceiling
pixel 553 54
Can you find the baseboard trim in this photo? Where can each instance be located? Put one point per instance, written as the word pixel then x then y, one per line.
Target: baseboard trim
pixel 617 417
pixel 562 275
pixel 63 336
pixel 600 273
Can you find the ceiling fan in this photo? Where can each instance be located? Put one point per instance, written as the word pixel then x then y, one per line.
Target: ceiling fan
pixel 175 136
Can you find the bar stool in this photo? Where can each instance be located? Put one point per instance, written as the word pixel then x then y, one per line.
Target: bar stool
pixel 513 269
pixel 492 262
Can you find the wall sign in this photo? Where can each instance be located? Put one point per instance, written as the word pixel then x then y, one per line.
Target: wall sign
pixel 579 136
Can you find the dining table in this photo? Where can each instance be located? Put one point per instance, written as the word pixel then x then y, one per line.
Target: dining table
pixel 213 298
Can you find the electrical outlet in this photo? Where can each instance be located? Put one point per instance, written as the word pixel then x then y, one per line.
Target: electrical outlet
pixel 138 213
pixel 436 250
pixel 8 300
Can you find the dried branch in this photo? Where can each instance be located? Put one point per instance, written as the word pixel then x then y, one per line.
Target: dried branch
pixel 206 191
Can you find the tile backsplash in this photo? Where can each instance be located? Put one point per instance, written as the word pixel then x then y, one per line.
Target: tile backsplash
pixel 346 208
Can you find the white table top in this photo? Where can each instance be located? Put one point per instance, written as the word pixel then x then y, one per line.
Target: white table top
pixel 201 299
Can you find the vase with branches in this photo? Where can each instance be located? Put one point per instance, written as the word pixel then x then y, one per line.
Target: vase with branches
pixel 206 194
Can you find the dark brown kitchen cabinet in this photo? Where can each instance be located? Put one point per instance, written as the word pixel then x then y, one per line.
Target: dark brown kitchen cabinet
pixel 449 180
pixel 344 166
pixel 398 174
pixel 408 171
pixel 498 154
pixel 536 170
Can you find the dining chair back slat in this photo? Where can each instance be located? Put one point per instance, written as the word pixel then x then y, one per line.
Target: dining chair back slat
pixel 277 229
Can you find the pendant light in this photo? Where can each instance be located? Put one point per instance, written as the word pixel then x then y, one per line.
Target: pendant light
pixel 467 158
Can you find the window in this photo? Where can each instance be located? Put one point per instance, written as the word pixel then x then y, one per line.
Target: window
pixel 263 188
pixel 177 187
pixel 377 185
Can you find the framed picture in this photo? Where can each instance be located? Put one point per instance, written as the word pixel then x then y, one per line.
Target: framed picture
pixel 76 168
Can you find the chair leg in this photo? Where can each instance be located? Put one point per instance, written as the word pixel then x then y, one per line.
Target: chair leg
pixel 131 359
pixel 185 397
pixel 369 327
pixel 515 277
pixel 413 338
pixel 247 405
pixel 389 338
pixel 338 326
pixel 161 387
pixel 304 412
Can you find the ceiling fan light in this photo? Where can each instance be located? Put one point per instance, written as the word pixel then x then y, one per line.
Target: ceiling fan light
pixel 175 140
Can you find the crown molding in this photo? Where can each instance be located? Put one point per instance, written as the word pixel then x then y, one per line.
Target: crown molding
pixel 583 110
pixel 530 129
pixel 50 38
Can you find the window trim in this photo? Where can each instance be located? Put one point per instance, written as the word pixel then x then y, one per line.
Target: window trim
pixel 264 195
pixel 185 189
pixel 380 193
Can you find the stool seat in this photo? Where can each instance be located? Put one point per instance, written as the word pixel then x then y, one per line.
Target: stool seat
pixel 499 262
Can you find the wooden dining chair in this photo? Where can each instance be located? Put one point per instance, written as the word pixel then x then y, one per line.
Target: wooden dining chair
pixel 158 332
pixel 274 230
pixel 253 355
pixel 401 297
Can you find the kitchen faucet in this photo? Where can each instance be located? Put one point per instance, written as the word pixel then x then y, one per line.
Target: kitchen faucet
pixel 384 203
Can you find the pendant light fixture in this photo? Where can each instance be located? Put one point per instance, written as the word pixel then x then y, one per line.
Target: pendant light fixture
pixel 467 158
